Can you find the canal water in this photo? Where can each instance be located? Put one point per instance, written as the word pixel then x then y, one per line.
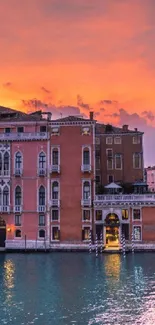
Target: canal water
pixel 77 288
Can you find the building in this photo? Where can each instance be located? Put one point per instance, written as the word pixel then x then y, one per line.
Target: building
pixel 150 178
pixel 55 184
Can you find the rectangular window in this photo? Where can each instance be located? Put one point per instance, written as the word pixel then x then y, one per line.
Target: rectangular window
pixel 110 163
pixel 86 215
pixel 137 233
pixel 109 153
pixel 136 139
pixel 117 140
pixel 137 160
pixel 20 129
pixel 55 131
pixel 55 233
pixel 17 220
pixel 98 215
pixel 85 233
pixel 118 161
pixel 41 220
pixel 125 214
pixel 125 230
pixel 109 140
pixel 110 178
pixel 55 156
pixel 55 215
pixel 43 128
pixel 86 157
pixel 136 214
pixel 7 130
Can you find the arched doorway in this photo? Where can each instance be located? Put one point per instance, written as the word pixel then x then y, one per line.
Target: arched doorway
pixel 112 225
pixel 2 232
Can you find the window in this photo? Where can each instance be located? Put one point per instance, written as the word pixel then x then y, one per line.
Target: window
pixel 17 220
pixel 86 156
pixel 7 130
pixel 6 196
pixel 85 233
pixel 55 131
pixel 98 215
pixel 118 161
pixel 117 140
pixel 55 233
pixel 137 233
pixel 6 163
pixel 55 215
pixel 125 230
pixel 137 160
pixel 136 139
pixel 109 140
pixel 41 195
pixel 136 214
pixel 41 233
pixel 125 214
pixel 55 190
pixel 43 128
pixel 86 190
pixel 42 160
pixel 18 195
pixel 109 153
pixel 41 220
pixel 55 156
pixel 86 215
pixel 110 163
pixel 110 179
pixel 18 160
pixel 98 179
pixel 18 233
pixel 20 129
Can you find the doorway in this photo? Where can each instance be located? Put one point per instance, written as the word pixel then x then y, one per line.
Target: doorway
pixel 112 232
pixel 2 232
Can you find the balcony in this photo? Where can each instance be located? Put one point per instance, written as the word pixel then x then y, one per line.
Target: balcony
pixel 18 172
pixel 41 172
pixel 86 168
pixel 55 203
pixel 24 136
pixel 17 209
pixel 4 173
pixel 128 199
pixel 4 208
pixel 55 169
pixel 41 208
pixel 86 203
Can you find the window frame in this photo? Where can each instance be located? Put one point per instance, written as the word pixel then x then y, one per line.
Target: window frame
pixel 55 209
pixel 41 238
pixel 17 162
pixel 137 138
pixel 83 228
pixel 58 149
pixel 90 192
pixel 128 211
pixel 17 237
pixel 99 221
pixel 42 224
pixel 88 147
pixel 19 127
pixel 43 161
pixel 137 208
pixel 117 137
pixel 111 142
pixel 140 161
pixel 41 185
pixel 18 216
pixel 133 227
pixel 17 198
pixel 55 226
pixel 121 160
pixel 90 215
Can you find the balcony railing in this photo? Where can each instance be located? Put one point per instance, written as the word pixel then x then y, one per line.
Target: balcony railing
pixel 17 209
pixel 41 208
pixel 55 202
pixel 86 203
pixel 24 136
pixel 41 172
pixel 125 198
pixel 55 169
pixel 4 208
pixel 18 172
pixel 4 173
pixel 86 168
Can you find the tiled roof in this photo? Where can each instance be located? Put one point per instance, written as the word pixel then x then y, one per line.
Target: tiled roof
pixel 71 118
pixel 110 129
pixel 9 114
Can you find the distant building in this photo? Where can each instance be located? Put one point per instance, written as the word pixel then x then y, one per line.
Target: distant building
pixel 150 175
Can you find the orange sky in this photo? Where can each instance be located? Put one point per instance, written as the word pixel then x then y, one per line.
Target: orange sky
pixel 75 55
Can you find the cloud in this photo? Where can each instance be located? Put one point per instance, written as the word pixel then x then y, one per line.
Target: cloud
pixel 149 115
pixel 45 90
pixel 102 109
pixel 7 84
pixel 81 103
pixel 108 102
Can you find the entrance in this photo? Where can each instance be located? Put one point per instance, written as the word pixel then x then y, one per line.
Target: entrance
pixel 2 232
pixel 112 230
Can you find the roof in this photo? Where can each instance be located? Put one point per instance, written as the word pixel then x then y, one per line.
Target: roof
pixel 72 118
pixel 8 114
pixel 110 129
pixel 113 186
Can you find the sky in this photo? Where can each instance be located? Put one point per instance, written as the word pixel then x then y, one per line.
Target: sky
pixel 74 56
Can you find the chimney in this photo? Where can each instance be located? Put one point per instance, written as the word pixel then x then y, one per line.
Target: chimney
pixel 125 127
pixel 91 116
pixel 136 129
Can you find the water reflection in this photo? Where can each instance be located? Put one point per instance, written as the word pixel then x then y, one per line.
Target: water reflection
pixel 112 265
pixel 9 271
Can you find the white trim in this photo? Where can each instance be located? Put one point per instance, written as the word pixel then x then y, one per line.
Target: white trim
pixel 55 168
pixel 41 208
pixel 87 209
pixel 134 226
pixel 86 167
pixel 111 142
pixel 54 240
pixel 44 169
pixel 21 169
pixel 117 137
pixel 120 155
pixel 137 208
pixel 86 202
pixel 14 200
pixel 51 193
pixel 19 216
pixel 57 209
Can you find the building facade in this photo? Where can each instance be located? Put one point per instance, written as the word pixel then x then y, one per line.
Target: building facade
pixel 150 178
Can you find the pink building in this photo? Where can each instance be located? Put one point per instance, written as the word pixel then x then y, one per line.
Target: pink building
pixel 150 176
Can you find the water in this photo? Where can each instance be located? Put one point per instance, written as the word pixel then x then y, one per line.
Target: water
pixel 77 288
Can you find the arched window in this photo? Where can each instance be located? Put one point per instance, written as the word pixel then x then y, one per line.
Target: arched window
pixel 41 195
pixel 86 190
pixel 5 196
pixel 42 160
pixel 18 233
pixel 6 163
pixel 55 190
pixel 55 156
pixel 18 160
pixel 86 156
pixel 18 195
pixel 41 233
pixel 0 164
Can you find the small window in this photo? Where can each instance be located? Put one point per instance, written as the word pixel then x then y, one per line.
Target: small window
pixel 55 233
pixel 55 215
pixel 85 233
pixel 137 160
pixel 136 214
pixel 41 233
pixel 137 233
pixel 98 215
pixel 86 215
pixel 20 129
pixel 109 140
pixel 43 128
pixel 7 130
pixel 117 140
pixel 41 220
pixel 110 178
pixel 125 214
pixel 136 139
pixel 18 233
pixel 17 220
pixel 55 131
pixel 109 153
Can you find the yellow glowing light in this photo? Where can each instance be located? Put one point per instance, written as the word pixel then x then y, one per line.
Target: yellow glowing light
pixel 9 229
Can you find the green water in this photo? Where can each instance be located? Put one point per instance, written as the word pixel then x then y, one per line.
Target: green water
pixel 77 288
